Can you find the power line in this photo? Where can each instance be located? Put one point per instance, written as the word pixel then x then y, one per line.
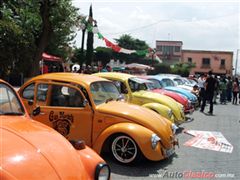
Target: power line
pixel 169 20
pixel 138 28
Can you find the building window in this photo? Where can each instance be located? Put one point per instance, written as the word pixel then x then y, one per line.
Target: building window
pixel 167 50
pixel 205 62
pixel 177 49
pixel 189 60
pixel 159 48
pixel 222 62
pixel 222 65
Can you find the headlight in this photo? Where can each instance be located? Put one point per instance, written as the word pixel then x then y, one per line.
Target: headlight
pixel 182 109
pixel 170 113
pixel 174 128
pixel 102 172
pixel 154 140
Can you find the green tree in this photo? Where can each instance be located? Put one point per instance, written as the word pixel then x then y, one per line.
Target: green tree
pixel 78 57
pixel 128 42
pixel 182 69
pixel 16 43
pixel 44 25
pixel 103 54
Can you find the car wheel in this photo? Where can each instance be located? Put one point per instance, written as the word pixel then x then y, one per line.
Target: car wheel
pixel 124 149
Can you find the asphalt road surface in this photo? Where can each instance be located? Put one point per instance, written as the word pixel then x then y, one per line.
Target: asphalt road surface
pixel 191 160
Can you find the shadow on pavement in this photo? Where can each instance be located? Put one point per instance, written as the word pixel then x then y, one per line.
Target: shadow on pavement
pixel 141 169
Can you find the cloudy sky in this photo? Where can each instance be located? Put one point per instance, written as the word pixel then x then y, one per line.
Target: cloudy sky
pixel 200 25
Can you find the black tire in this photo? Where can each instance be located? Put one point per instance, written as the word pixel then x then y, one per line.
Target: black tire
pixel 125 150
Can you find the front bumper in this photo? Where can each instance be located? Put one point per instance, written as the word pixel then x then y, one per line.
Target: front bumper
pixel 189 111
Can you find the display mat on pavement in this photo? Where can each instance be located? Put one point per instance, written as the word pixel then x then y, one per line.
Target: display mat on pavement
pixel 210 140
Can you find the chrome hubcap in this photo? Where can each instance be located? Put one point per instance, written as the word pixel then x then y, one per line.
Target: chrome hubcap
pixel 124 149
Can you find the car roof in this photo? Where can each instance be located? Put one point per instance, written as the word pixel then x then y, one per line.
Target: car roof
pixel 159 77
pixel 77 78
pixel 115 75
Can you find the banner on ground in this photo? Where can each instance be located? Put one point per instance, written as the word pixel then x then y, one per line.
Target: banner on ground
pixel 210 140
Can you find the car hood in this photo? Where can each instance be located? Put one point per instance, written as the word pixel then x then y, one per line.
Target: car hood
pixel 140 115
pixel 159 98
pixel 29 146
pixel 173 95
pixel 186 93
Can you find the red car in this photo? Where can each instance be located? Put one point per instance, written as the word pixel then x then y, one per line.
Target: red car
pixel 188 108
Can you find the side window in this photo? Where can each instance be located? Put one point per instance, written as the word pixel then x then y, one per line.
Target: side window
pixel 85 93
pixel 66 96
pixel 42 90
pixel 28 92
pixel 121 87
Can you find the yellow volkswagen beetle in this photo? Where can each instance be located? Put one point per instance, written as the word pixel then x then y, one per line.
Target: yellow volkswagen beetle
pixel 135 92
pixel 88 107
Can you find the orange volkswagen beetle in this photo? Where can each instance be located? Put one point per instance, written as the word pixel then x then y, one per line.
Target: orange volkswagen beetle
pixel 90 108
pixel 31 150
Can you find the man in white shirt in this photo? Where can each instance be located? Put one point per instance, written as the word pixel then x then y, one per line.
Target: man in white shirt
pixel 201 85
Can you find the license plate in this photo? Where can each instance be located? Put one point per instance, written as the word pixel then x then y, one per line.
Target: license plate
pixel 170 152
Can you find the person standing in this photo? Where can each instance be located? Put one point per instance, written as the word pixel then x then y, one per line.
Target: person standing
pixel 216 90
pixel 201 85
pixel 229 89
pixel 209 92
pixel 235 91
pixel 223 90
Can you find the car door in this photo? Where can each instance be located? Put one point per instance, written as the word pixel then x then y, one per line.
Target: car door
pixel 64 108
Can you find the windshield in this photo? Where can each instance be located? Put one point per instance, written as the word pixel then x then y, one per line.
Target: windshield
pixel 167 82
pixel 179 81
pixel 137 84
pixel 102 92
pixel 9 102
pixel 156 84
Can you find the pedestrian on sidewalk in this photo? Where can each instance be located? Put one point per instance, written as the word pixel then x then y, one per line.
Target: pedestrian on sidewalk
pixel 216 90
pixel 235 91
pixel 229 88
pixel 201 85
pixel 223 90
pixel 209 92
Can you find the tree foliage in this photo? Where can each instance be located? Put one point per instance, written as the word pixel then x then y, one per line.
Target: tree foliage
pixel 32 27
pixel 182 69
pixel 128 42
pixel 103 54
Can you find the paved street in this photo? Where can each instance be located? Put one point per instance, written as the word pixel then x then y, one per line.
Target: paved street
pixel 226 119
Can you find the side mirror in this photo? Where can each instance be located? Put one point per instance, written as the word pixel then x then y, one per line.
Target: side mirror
pixel 30 102
pixel 36 111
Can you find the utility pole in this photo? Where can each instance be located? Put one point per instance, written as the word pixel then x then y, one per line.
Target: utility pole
pixel 236 63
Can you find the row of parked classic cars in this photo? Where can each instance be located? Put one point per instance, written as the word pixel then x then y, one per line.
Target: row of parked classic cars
pixel 126 116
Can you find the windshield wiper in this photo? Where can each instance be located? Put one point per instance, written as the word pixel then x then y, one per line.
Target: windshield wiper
pixel 109 99
pixel 12 113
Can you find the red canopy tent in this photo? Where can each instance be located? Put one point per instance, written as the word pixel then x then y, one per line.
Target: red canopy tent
pixel 50 63
pixel 49 57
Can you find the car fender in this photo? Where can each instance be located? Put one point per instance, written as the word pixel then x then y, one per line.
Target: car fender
pixel 141 135
pixel 160 109
pixel 90 160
